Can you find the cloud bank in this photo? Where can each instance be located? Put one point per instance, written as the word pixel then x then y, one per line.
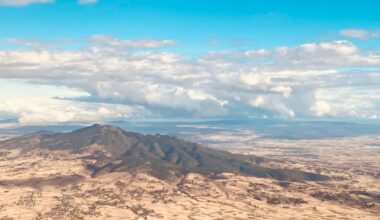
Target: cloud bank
pixel 140 78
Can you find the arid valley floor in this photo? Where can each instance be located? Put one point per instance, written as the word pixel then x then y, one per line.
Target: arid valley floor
pixel 55 185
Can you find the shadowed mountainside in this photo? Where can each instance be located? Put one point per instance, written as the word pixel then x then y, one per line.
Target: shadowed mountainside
pixel 162 156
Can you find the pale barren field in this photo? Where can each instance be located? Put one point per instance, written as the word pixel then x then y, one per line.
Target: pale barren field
pixel 55 185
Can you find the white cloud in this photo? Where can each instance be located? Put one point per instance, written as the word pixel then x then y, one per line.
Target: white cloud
pixel 348 102
pixel 257 102
pixel 111 42
pixel 321 108
pixel 22 2
pixel 361 34
pixel 52 111
pixel 312 56
pixel 286 91
pixel 280 82
pixel 273 104
pixel 42 104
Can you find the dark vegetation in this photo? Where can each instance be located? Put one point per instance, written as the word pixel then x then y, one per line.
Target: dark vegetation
pixel 38 182
pixel 359 199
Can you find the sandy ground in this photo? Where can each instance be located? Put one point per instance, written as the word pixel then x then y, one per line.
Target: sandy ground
pixel 55 185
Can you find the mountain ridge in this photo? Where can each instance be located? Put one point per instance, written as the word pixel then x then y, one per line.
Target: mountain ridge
pixel 116 150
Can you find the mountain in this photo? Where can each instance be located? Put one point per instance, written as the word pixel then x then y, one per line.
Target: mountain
pixel 114 150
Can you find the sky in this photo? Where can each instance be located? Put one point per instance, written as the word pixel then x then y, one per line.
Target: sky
pixel 75 61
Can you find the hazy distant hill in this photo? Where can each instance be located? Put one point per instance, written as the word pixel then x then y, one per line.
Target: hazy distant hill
pixel 162 156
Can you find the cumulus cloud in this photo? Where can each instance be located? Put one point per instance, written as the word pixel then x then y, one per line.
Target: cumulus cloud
pixel 310 57
pixel 42 104
pixel 52 111
pixel 321 108
pixel 22 2
pixel 281 82
pixel 361 34
pixel 348 102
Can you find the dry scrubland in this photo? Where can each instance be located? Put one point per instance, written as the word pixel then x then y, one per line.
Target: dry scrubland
pixel 55 185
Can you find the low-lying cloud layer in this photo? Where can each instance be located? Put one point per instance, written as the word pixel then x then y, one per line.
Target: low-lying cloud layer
pixel 126 78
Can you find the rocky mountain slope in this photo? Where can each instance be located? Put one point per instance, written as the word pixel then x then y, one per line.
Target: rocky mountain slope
pixel 114 150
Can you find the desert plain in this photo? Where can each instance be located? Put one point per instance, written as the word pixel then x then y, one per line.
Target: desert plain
pixel 45 184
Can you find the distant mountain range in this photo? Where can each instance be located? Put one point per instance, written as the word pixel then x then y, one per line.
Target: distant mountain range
pixel 115 150
pixel 266 128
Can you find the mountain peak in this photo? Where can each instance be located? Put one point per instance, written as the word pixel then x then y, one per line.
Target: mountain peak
pixel 159 155
pixel 99 127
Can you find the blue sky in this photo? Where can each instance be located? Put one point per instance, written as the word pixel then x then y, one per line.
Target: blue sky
pixel 235 24
pixel 184 57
